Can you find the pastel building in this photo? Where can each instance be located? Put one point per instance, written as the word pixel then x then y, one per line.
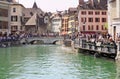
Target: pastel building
pixel 65 20
pixel 92 16
pixel 73 19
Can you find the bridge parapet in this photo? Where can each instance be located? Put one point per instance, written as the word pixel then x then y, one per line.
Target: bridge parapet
pixel 46 40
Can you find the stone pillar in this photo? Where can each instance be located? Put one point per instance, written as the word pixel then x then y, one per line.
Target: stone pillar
pixel 118 51
pixel 112 13
pixel 118 8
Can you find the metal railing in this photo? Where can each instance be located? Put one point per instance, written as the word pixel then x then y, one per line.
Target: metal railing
pixel 96 46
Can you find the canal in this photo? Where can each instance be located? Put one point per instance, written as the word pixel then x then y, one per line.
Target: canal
pixel 53 62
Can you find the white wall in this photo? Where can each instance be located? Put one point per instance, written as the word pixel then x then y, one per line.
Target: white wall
pixel 56 24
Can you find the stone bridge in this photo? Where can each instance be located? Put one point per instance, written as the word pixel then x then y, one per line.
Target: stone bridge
pixel 43 40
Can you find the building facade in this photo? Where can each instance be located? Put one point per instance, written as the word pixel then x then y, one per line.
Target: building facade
pixel 73 20
pixel 114 18
pixel 92 16
pixel 36 21
pixel 17 18
pixel 4 17
pixel 65 19
pixel 56 23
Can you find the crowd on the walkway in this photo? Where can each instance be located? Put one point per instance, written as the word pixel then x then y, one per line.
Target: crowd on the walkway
pixel 18 36
pixel 95 38
pixel 9 37
pixel 98 37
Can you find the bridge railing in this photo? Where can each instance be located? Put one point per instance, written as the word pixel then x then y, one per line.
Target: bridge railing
pixel 43 39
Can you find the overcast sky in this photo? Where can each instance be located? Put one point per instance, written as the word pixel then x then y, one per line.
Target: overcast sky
pixel 50 5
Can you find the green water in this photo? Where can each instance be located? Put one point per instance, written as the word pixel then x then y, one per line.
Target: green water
pixel 53 62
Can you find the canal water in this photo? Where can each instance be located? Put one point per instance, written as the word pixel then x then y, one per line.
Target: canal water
pixel 53 62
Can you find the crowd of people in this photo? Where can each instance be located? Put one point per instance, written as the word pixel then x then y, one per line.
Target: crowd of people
pixel 9 37
pixel 98 37
pixel 18 36
pixel 104 39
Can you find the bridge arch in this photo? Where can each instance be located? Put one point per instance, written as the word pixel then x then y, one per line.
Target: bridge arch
pixel 42 40
pixel 55 41
pixel 36 42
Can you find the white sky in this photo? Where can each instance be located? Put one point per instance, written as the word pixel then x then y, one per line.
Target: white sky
pixel 50 5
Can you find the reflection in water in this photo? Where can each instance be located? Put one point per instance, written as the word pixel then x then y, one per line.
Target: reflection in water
pixel 52 62
pixel 118 70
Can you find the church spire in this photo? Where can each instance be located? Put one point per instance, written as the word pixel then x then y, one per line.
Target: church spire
pixel 35 5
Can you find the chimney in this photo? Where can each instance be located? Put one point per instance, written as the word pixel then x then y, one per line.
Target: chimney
pixel 81 2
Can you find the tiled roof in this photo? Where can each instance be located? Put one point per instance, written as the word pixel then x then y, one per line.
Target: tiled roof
pixel 32 20
pixel 72 9
pixel 28 12
pixel 94 4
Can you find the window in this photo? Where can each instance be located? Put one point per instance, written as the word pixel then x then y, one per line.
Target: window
pixel 90 13
pixel 31 13
pixel 14 9
pixel 97 19
pixel 97 27
pixel 88 27
pixel 97 13
pixel 103 19
pixel 14 18
pixel 83 27
pixel 103 13
pixel 14 27
pixel 4 12
pixel 90 19
pixel 3 25
pixel 102 27
pixel 83 12
pixel 83 19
